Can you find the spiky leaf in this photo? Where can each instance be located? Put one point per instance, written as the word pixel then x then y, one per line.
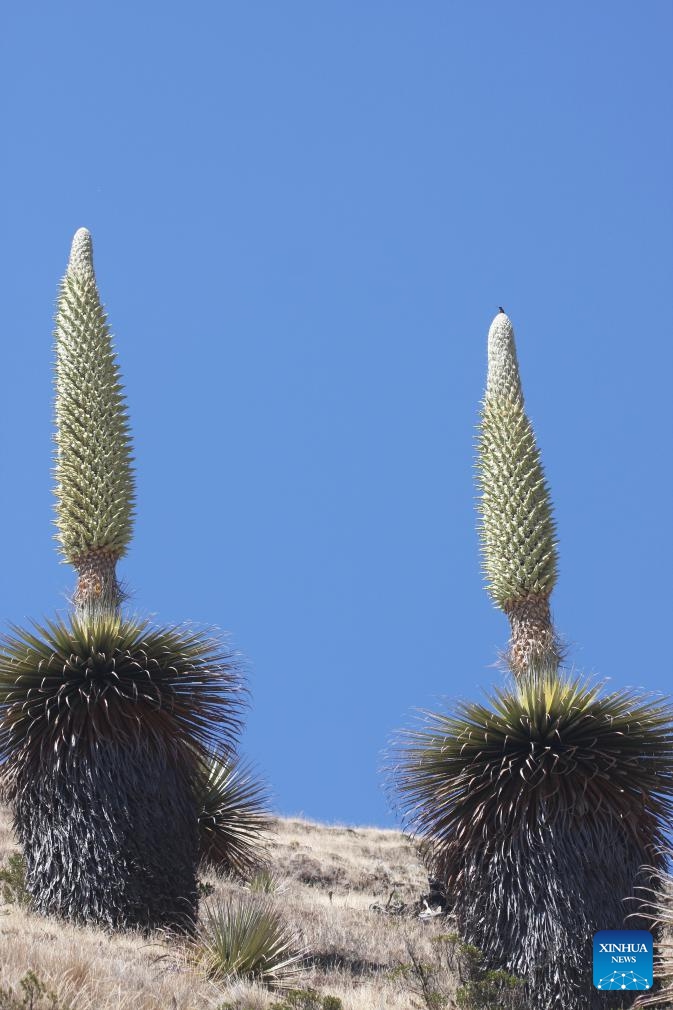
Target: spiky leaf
pixel 233 816
pixel 104 726
pixel 94 475
pixel 658 915
pixel 517 529
pixel 539 808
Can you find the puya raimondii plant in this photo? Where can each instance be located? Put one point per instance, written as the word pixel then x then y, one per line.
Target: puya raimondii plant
pixel 107 723
pixel 539 806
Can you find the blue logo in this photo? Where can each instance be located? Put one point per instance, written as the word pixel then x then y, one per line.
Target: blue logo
pixel 623 959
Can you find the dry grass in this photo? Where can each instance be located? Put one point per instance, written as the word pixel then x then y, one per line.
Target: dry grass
pixel 328 877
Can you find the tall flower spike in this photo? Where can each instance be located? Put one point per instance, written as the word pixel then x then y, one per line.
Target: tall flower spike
pixel 517 530
pixel 94 474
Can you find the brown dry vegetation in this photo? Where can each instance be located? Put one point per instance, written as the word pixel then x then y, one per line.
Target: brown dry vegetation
pixel 327 879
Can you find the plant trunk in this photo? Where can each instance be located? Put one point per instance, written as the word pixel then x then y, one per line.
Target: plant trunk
pixel 533 911
pixel 111 838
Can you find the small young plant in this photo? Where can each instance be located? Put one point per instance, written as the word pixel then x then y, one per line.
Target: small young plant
pixel 247 938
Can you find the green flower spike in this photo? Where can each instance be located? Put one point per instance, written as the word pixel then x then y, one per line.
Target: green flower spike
pixel 518 535
pixel 94 474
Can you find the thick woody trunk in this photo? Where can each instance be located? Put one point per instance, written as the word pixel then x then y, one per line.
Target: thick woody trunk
pixel 111 838
pixel 533 644
pixel 97 588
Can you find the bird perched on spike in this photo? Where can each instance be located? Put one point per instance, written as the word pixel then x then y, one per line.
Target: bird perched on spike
pixel 517 530
pixel 94 475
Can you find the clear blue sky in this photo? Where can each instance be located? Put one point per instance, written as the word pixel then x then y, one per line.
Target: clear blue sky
pixel 305 216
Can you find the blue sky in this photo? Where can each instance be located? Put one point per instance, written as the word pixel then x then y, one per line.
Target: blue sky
pixel 305 216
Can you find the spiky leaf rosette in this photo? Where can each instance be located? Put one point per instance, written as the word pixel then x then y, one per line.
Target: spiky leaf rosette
pixel 233 815
pixel 94 475
pixel 539 808
pixel 517 529
pixel 245 937
pixel 104 726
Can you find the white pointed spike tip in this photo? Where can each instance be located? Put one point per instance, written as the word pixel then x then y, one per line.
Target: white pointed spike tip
pixel 81 255
pixel 503 379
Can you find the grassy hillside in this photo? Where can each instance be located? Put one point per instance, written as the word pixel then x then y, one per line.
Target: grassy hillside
pixel 327 880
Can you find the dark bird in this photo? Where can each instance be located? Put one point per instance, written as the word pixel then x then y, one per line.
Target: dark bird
pixel 500 309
